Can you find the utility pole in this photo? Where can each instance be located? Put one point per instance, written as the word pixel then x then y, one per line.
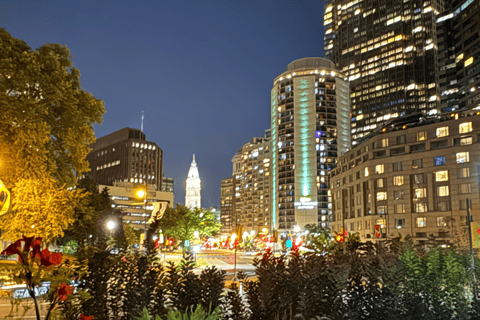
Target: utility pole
pixel 469 225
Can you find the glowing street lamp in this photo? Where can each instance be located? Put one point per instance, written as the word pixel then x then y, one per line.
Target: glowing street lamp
pixel 143 194
pixel 110 226
pixel 196 234
pixel 297 229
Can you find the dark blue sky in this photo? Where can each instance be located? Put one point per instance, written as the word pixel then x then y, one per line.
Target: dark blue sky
pixel 201 70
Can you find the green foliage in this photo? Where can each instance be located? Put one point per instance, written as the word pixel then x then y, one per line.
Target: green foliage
pixel 70 247
pixel 46 127
pixel 318 239
pixel 181 223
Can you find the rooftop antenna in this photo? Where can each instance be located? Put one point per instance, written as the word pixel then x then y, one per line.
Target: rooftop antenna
pixel 141 128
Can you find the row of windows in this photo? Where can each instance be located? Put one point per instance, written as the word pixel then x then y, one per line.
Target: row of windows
pixel 465 127
pixel 142 146
pixel 421 193
pixel 420 222
pixel 460 157
pixel 440 176
pixel 108 165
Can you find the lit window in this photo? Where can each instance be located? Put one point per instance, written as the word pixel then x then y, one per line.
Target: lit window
pixel 462 157
pixel 381 196
pixel 379 169
pixel 463 173
pixel 443 191
pixel 422 135
pixel 384 143
pixel 442 132
pixel 441 221
pixel 439 161
pixel 398 181
pixel 421 222
pixel 420 207
pixel 400 208
pixel 420 193
pixel 441 175
pixel 381 209
pixel 464 188
pixel 468 62
pixel 465 127
pixel 399 223
pixel 380 183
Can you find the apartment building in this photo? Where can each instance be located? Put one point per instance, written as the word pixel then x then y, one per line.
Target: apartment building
pixel 459 55
pixel 388 51
pixel 413 177
pixel 310 128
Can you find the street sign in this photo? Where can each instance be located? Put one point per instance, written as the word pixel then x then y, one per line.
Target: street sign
pixel 5 199
pixel 289 243
pixel 187 243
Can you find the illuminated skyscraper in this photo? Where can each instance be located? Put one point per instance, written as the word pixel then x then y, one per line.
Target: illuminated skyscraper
pixel 388 51
pixel 310 127
pixel 459 56
pixel 193 187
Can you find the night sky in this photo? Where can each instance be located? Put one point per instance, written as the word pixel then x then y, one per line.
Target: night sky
pixel 201 71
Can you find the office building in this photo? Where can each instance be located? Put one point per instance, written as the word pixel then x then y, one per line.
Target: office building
pixel 459 56
pixel 255 186
pixel 310 128
pixel 167 184
pixel 388 51
pixel 412 178
pixel 245 197
pixel 126 156
pixel 124 197
pixel 193 187
pixel 228 206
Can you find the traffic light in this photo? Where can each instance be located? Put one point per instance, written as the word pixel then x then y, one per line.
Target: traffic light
pixel 142 238
pixel 340 238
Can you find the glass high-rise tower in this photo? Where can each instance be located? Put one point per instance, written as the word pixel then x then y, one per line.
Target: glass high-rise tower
pixel 310 127
pixel 388 51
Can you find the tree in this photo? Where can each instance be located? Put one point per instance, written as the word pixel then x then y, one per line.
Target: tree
pixel 42 207
pixel 181 223
pixel 46 127
pixel 318 239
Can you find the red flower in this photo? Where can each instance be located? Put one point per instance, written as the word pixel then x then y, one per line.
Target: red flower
pixel 48 259
pixel 83 317
pixel 64 291
pixel 22 248
pixel 14 248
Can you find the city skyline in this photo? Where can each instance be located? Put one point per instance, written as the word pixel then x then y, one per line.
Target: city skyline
pixel 143 56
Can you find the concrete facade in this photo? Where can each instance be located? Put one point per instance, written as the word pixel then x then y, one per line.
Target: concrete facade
pixel 410 179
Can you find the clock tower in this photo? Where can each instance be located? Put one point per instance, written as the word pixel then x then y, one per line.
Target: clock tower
pixel 193 187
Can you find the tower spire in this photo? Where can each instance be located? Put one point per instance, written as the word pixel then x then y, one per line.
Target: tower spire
pixel 141 129
pixel 194 157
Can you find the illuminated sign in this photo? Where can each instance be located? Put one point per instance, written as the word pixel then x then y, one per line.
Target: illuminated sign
pixel 318 134
pixel 5 199
pixel 305 203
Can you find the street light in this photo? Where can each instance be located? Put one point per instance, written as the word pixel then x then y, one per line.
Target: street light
pixel 296 229
pixel 143 194
pixel 110 226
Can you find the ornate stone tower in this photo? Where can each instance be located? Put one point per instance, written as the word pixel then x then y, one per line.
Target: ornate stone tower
pixel 193 187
